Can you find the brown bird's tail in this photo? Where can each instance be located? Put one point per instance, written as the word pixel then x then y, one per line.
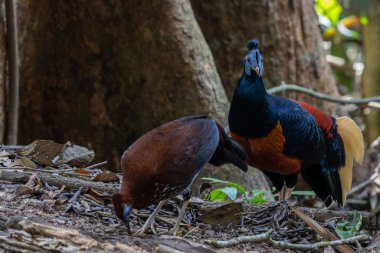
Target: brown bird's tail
pixel 229 151
pixel 354 149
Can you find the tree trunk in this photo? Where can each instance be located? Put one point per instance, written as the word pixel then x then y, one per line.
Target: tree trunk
pixel 290 37
pixel 3 77
pixel 289 34
pixel 371 76
pixel 101 73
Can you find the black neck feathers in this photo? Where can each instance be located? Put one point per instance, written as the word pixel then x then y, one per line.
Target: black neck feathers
pixel 250 113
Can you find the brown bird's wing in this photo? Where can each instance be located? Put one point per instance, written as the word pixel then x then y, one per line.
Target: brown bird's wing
pixel 164 161
pixel 229 151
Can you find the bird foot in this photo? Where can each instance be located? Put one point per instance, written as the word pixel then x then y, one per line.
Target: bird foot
pixel 285 193
pixel 151 220
pixel 148 224
pixel 174 232
pixel 334 205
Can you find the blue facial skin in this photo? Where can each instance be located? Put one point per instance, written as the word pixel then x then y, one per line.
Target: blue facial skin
pixel 126 212
pixel 254 62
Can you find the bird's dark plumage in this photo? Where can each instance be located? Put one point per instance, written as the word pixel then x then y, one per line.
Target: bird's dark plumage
pixel 285 137
pixel 164 162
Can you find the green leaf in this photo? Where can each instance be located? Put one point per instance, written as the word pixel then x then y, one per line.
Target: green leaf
pixel 257 198
pixel 222 193
pixel 230 184
pixel 329 8
pixel 364 20
pixel 346 229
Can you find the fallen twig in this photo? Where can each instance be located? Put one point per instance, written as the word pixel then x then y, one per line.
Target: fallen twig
pixel 321 231
pixel 341 100
pixel 13 147
pixel 18 176
pixel 76 195
pixel 96 165
pixel 53 171
pixel 266 237
pixel 366 182
pixel 62 239
pixel 318 245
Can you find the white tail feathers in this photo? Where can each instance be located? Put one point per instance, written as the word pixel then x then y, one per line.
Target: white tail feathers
pixel 354 148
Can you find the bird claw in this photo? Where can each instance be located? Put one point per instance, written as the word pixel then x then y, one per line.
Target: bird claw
pixel 146 226
pixel 174 231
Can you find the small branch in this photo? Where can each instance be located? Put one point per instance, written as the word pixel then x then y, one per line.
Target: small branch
pixel 61 240
pixel 266 237
pixel 11 147
pixel 341 100
pixel 366 182
pixel 18 176
pixel 317 245
pixel 75 196
pixel 96 165
pixel 53 171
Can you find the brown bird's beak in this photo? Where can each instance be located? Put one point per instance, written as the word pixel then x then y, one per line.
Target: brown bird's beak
pixel 122 211
pixel 256 69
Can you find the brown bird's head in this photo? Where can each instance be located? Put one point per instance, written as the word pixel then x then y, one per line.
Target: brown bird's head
pixel 122 209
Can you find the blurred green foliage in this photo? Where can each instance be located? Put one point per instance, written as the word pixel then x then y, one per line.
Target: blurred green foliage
pixel 341 24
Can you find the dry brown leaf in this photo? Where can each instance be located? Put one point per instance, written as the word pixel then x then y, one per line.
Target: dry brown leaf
pixel 107 177
pixel 74 155
pixel 4 153
pixel 82 171
pixel 24 190
pixel 52 194
pixel 42 151
pixel 23 162
pixel 223 215
pixel 5 161
pixel 34 182
pixel 47 152
pixel 95 196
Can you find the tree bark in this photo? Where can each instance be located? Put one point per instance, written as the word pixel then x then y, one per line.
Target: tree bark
pixel 371 75
pixel 101 73
pixel 291 44
pixel 289 34
pixel 104 85
pixel 3 76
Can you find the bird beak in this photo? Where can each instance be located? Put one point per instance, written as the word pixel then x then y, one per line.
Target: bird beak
pixel 256 69
pixel 126 212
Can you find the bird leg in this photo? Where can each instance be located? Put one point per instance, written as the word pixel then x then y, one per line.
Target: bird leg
pixel 285 193
pixel 281 193
pixel 288 192
pixel 287 189
pixel 174 230
pixel 151 220
pixel 186 198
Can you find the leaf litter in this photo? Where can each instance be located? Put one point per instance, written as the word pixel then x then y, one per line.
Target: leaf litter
pixel 90 213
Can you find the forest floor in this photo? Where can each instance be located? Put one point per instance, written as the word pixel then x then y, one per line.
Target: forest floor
pixel 100 223
pixel 43 214
pixel 37 222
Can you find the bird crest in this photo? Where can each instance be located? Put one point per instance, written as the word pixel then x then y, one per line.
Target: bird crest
pixel 253 44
